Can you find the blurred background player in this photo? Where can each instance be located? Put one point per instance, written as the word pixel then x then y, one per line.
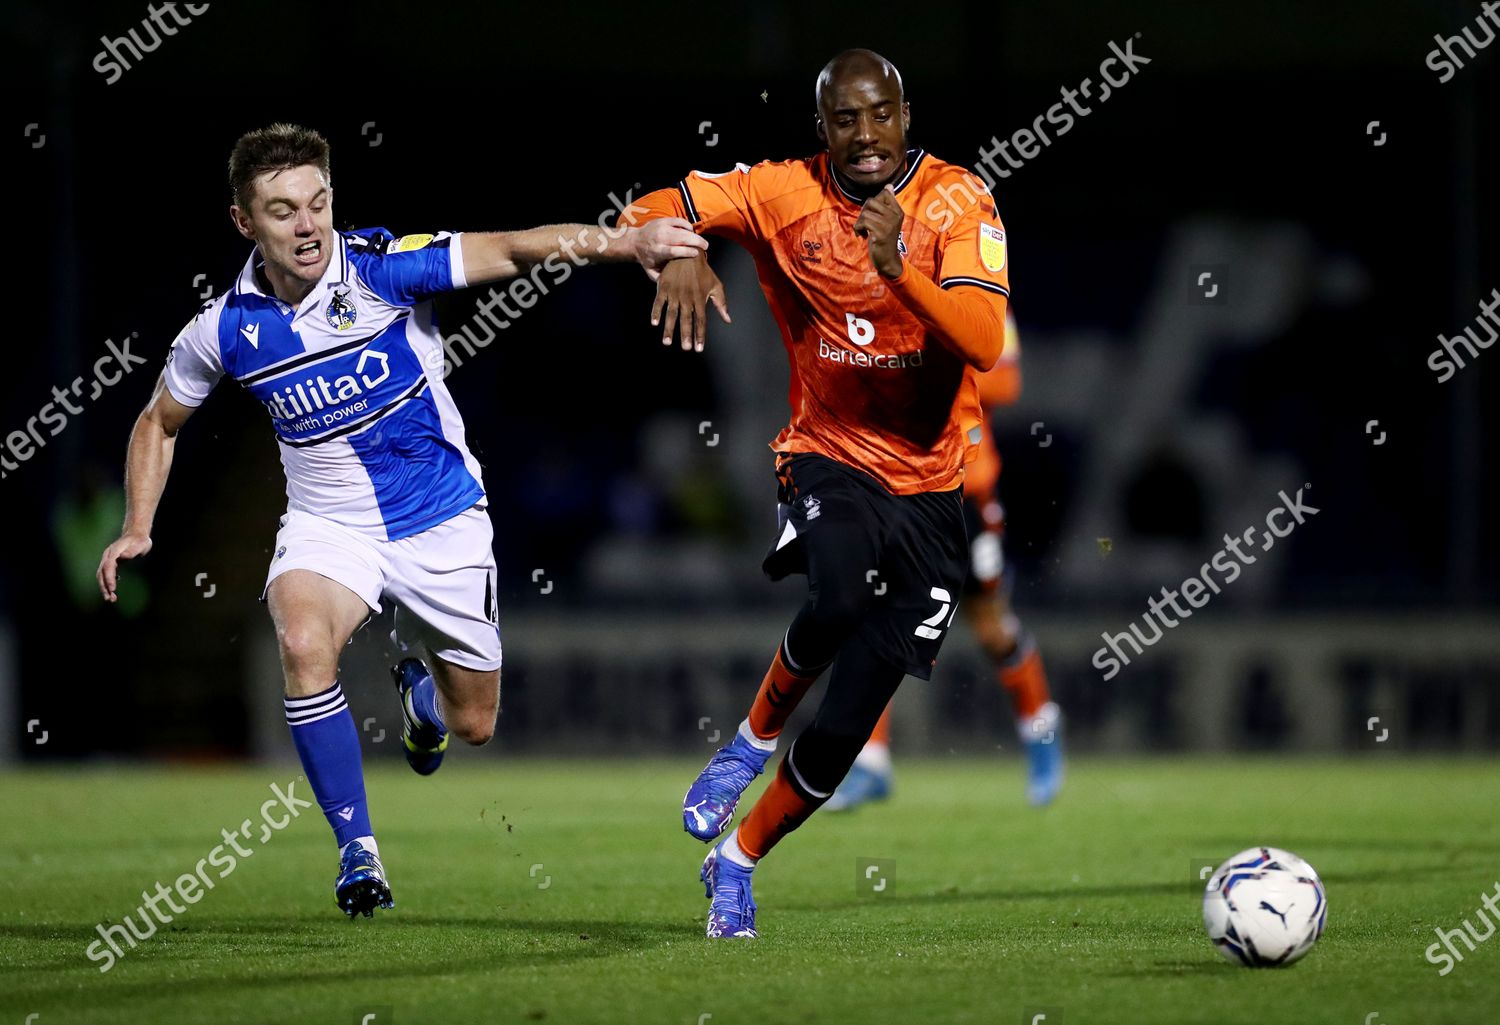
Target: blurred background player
pixel 986 606
pixel 332 332
pixel 886 271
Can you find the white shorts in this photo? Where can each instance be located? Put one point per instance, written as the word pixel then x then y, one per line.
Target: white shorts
pixel 443 578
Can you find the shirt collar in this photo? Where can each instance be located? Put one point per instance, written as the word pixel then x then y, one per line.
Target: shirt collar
pixel 913 158
pixel 336 273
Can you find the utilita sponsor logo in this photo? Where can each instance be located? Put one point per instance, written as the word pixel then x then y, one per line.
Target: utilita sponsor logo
pixel 318 393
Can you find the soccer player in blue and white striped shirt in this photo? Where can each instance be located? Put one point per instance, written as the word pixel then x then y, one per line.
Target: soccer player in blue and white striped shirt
pixel 332 332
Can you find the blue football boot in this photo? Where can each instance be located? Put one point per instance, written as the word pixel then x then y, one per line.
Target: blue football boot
pixel 710 801
pixel 731 909
pixel 361 885
pixel 1041 735
pixel 424 742
pixel 860 786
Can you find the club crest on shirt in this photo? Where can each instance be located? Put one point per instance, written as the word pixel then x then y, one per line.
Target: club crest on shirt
pixel 340 312
pixel 901 242
pixel 992 247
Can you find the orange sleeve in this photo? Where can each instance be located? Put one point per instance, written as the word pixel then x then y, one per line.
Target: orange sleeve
pixel 1001 385
pixel 970 321
pixel 973 252
pixel 717 204
pixel 652 207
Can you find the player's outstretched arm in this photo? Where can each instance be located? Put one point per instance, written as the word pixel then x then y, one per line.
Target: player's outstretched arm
pixel 683 291
pixel 147 462
pixel 491 256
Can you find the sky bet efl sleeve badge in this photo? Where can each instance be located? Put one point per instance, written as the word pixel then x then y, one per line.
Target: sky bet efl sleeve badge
pixel 406 243
pixel 992 247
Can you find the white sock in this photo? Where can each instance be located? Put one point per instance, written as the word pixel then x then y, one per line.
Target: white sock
pixel 367 842
pixel 875 758
pixel 754 741
pixel 1041 725
pixel 732 850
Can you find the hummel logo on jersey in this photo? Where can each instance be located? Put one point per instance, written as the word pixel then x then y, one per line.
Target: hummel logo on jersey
pixel 813 506
pixel 346 814
pixel 252 335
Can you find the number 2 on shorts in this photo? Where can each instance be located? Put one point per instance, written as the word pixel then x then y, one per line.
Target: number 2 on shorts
pixel 929 628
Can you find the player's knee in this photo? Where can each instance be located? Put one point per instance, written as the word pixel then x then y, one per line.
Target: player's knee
pixel 307 651
pixel 998 635
pixel 998 644
pixel 473 728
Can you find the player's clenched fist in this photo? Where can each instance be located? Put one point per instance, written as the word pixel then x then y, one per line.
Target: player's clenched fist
pixel 879 224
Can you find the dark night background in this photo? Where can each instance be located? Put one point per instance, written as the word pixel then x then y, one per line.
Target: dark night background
pixel 1249 123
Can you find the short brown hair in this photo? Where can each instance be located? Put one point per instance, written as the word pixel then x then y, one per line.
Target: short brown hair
pixel 279 147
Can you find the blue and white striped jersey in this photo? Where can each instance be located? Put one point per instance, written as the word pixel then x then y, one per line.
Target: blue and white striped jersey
pixel 352 378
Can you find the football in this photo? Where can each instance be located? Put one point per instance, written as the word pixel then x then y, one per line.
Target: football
pixel 1264 907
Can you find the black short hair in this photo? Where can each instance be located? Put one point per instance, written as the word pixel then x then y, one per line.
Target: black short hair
pixel 278 147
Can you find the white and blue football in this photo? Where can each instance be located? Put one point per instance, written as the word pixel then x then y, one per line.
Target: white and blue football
pixel 1264 907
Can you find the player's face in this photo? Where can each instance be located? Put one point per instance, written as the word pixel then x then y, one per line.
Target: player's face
pixel 864 123
pixel 291 220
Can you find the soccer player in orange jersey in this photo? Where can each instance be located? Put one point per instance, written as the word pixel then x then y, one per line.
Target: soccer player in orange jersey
pixel 1010 647
pixel 886 270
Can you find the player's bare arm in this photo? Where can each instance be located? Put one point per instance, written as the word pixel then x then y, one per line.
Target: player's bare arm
pixel 684 289
pixel 492 256
pixel 147 463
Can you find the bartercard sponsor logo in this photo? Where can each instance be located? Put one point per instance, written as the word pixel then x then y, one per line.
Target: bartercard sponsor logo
pixel 878 360
pixel 861 331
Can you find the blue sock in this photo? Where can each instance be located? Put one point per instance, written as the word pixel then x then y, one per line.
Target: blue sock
pixel 328 744
pixel 424 701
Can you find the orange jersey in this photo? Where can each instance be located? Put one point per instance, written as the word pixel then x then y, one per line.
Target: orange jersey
pixel 1000 386
pixel 871 385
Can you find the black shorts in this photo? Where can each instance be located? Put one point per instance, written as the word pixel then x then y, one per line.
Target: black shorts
pixel 908 553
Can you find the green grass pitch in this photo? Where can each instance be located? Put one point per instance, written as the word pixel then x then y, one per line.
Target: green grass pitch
pixel 991 912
